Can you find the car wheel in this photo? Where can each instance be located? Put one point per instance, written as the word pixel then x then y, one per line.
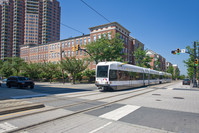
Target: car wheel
pixel 8 85
pixel 32 87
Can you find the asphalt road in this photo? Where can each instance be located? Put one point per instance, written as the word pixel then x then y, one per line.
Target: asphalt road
pixel 164 108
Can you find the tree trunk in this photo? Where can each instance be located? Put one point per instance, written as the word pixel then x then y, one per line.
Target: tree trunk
pixel 63 76
pixel 73 79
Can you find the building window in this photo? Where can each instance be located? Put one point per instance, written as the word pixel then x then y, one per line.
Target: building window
pixel 99 36
pixel 52 55
pixel 65 44
pixel 65 53
pixel 68 53
pixel 77 41
pixel 55 46
pixel 94 38
pixel 71 53
pixel 58 45
pixel 55 55
pixel 80 41
pixel 69 44
pixel 84 41
pixel 58 55
pixel 104 35
pixel 80 52
pixel 89 40
pixel 109 35
pixel 77 52
pixel 62 45
pixel 72 43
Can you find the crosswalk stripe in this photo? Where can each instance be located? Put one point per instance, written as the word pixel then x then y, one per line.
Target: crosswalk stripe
pixel 4 127
pixel 120 112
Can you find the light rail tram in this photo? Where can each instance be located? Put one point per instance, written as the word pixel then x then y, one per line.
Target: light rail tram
pixel 118 76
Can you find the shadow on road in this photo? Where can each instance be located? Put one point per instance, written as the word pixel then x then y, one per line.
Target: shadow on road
pixel 40 90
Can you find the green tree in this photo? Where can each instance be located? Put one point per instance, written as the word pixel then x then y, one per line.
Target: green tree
pixel 171 71
pixel 177 73
pixel 50 70
pixel 89 73
pixel 73 66
pixel 141 58
pixel 157 65
pixel 189 63
pixel 16 64
pixel 105 49
pixel 31 70
pixel 6 69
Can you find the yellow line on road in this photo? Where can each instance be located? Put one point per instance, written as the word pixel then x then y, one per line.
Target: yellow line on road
pixel 16 113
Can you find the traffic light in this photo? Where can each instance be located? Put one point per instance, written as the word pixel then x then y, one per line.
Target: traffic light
pixel 196 62
pixel 178 51
pixel 73 48
pixel 173 52
pixel 77 48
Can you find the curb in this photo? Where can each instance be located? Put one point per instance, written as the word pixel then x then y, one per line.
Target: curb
pixel 20 108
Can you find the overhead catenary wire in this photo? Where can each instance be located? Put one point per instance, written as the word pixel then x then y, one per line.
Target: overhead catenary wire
pixel 71 28
pixel 96 11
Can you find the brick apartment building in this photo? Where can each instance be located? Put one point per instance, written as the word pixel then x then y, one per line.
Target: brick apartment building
pixel 156 57
pixel 54 52
pixel 27 22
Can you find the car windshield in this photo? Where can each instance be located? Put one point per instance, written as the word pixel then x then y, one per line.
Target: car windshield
pixel 186 79
pixel 22 78
pixel 102 71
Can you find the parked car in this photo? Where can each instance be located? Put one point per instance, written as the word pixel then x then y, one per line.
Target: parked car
pixel 186 82
pixel 17 81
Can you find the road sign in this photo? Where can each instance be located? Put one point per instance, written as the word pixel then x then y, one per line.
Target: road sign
pixel 183 50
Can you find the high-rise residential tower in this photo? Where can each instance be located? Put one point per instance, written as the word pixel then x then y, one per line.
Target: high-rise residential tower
pixel 27 22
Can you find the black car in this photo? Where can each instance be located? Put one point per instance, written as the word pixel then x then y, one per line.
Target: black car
pixel 16 81
pixel 186 82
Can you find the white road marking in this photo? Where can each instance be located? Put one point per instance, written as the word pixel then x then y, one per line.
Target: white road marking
pixel 29 96
pixel 4 127
pixel 170 88
pixel 100 128
pixel 120 112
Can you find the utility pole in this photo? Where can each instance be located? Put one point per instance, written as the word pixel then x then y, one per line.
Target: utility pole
pixel 194 75
pixel 198 66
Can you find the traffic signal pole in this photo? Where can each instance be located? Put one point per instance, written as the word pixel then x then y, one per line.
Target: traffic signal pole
pixel 196 59
pixel 194 76
pixel 198 67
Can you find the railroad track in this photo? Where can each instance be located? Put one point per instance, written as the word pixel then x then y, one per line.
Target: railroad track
pixel 127 95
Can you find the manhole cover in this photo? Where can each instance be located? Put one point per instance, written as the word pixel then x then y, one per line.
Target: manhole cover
pixel 156 94
pixel 158 100
pixel 178 97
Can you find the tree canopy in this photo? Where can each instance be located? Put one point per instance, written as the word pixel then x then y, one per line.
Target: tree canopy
pixel 73 66
pixel 141 58
pixel 105 49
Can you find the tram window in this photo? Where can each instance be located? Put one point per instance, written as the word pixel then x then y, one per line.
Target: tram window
pixel 123 75
pixel 113 75
pixel 153 76
pixel 102 71
pixel 146 76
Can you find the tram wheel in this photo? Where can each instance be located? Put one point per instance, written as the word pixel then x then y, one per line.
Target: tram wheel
pixel 102 89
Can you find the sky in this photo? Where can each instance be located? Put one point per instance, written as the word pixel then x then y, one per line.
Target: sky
pixel 161 25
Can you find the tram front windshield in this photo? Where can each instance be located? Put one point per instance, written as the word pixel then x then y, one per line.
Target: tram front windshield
pixel 102 71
